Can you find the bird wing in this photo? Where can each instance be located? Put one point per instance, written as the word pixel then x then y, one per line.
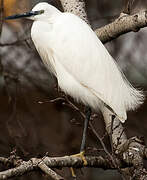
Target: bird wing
pixel 78 50
pixel 82 65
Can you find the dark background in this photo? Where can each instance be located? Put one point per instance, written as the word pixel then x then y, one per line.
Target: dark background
pixel 34 128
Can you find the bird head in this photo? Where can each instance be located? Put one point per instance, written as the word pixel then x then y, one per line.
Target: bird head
pixel 41 11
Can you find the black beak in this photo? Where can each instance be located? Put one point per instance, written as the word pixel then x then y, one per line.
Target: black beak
pixel 27 14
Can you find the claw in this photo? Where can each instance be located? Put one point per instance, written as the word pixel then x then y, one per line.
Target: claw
pixel 81 155
pixel 73 172
pixel 83 158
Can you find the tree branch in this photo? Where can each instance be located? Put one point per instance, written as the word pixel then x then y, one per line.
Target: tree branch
pixel 123 24
pixel 15 43
pixel 76 7
pixel 56 162
pixel 49 171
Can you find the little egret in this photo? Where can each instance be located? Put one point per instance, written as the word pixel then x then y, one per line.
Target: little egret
pixel 83 67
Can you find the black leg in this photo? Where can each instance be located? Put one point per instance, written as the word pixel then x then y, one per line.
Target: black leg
pixel 81 154
pixel 88 114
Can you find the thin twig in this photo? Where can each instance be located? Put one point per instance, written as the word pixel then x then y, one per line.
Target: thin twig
pixel 1 15
pixel 90 125
pixel 5 160
pixel 111 135
pixel 102 143
pixel 15 43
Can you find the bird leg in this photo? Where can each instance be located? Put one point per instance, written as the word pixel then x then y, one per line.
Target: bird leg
pixel 83 144
pixel 82 149
pixel 88 114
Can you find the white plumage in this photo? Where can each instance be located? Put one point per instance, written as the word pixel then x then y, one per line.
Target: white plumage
pixel 82 65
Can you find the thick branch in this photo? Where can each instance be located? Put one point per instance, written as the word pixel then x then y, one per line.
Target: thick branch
pixel 124 24
pixel 49 171
pixel 55 162
pixel 46 163
pixel 76 7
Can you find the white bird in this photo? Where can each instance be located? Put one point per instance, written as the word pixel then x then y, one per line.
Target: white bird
pixel 82 65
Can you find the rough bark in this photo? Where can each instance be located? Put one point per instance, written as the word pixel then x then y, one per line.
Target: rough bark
pixel 124 24
pixel 77 7
pixel 23 167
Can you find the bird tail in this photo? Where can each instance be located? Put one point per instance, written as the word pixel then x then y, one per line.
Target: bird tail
pixel 130 98
pixel 134 98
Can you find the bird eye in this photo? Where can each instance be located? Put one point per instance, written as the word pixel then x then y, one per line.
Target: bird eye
pixel 41 11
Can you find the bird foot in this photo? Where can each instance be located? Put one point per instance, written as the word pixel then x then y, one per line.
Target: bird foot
pixel 81 155
pixel 73 172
